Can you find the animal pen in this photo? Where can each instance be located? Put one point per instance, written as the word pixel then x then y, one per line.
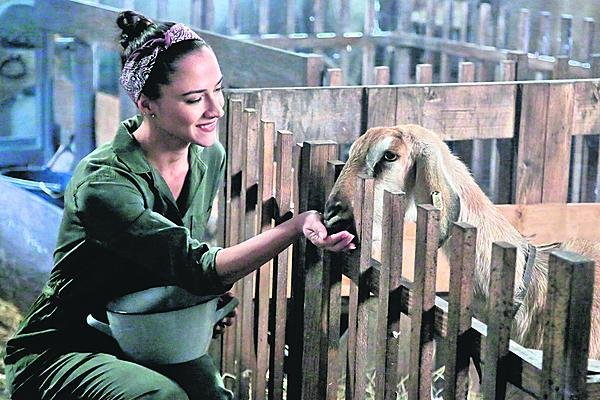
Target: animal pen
pixel 286 340
pixel 269 177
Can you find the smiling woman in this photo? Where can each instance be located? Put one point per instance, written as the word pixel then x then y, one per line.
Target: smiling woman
pixel 134 211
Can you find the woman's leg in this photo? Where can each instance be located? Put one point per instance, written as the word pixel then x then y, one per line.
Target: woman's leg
pixel 97 376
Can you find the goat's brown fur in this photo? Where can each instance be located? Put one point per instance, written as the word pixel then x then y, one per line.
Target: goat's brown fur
pixel 425 164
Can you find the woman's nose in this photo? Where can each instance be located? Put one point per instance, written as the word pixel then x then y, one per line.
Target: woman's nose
pixel 215 107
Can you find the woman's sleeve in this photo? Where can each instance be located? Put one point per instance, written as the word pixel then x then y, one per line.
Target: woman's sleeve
pixel 115 216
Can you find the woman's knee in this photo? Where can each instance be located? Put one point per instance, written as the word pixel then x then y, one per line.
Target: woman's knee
pixel 167 391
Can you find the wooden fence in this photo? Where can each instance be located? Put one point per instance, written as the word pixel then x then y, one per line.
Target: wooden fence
pixel 286 340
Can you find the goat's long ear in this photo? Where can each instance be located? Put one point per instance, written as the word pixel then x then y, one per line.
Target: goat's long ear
pixel 430 178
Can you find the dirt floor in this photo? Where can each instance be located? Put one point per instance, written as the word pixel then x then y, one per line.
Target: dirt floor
pixel 9 320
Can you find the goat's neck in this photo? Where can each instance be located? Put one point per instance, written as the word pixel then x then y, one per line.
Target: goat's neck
pixel 477 210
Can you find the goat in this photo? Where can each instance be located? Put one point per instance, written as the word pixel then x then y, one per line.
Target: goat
pixel 415 160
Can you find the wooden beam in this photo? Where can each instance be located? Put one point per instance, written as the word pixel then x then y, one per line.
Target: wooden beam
pixel 244 64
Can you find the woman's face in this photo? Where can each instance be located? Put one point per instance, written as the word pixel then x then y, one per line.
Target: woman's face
pixel 190 105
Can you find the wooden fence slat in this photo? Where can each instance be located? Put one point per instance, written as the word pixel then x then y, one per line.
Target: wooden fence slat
pixel 587 46
pixel 263 16
pixel 233 17
pixel 522 61
pixel 314 157
pixel 523 31
pixel 233 191
pixel 567 325
pixel 558 143
pixel 364 200
pixel 447 9
pixel 245 339
pixel 466 72
pixel 334 266
pixel 531 139
pixel 263 275
pixel 422 313
pixel 429 29
pixel 462 262
pixel 566 37
pixel 387 373
pixel 502 280
pixel 544 45
pixel 334 77
pixel 561 68
pixel 382 75
pixel 284 158
pixel 424 73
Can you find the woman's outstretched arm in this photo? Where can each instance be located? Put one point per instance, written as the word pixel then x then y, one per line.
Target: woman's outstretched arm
pixel 237 261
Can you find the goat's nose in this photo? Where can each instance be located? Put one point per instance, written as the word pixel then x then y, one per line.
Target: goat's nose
pixel 336 212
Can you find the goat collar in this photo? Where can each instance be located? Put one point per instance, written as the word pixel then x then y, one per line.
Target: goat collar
pixel 519 298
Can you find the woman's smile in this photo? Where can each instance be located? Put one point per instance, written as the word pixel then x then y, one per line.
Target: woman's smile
pixel 208 127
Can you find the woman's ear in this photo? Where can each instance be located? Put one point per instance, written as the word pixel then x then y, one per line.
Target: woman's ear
pixel 144 105
pixel 432 187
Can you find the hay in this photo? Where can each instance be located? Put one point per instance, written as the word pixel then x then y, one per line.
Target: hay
pixel 10 316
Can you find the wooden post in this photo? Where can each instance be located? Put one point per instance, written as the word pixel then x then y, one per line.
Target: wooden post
pixel 290 16
pixel 566 37
pixel 233 235
pixel 334 266
pixel 523 30
pixel 448 7
pixel 401 62
pixel 263 16
pixel 246 362
pixel 283 187
pixel 462 265
pixel 387 373
pixel 522 61
pixel 233 17
pixel 502 280
pixel 587 39
pixel 501 157
pixel 422 313
pixel 567 326
pixel 342 27
pixel 559 123
pixel 334 77
pixel 466 72
pixel 484 37
pixel 364 199
pixel 531 139
pixel 264 187
pixel 429 28
pixel 544 46
pixel 314 157
pixel 595 66
pixel 368 50
pixel 561 68
pixel 424 73
pixel 382 75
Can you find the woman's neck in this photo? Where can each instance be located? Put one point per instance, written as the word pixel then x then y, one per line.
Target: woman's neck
pixel 166 153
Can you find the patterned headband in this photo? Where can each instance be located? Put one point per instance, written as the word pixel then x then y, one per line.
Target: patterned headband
pixel 139 64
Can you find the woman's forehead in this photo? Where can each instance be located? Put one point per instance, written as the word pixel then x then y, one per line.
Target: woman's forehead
pixel 199 68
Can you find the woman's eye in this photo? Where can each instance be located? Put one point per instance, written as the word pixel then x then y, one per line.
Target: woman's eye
pixel 192 101
pixel 389 156
pixel 218 89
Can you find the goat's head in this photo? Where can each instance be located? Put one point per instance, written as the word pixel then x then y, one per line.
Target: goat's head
pixel 406 158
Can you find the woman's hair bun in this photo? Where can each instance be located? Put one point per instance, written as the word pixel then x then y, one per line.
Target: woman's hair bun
pixel 132 25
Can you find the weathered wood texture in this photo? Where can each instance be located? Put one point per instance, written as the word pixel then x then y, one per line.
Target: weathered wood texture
pixel 314 369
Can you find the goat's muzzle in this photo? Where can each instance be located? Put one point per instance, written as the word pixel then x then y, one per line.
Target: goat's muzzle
pixel 338 216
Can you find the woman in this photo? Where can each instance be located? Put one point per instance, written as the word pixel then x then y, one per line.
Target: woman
pixel 133 212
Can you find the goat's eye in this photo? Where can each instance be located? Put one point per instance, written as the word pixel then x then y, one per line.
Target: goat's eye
pixel 389 156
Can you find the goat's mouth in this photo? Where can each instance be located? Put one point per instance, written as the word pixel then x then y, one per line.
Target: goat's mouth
pixel 337 224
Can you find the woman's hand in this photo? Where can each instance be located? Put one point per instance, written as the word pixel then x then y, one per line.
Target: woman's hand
pixel 229 318
pixel 314 230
